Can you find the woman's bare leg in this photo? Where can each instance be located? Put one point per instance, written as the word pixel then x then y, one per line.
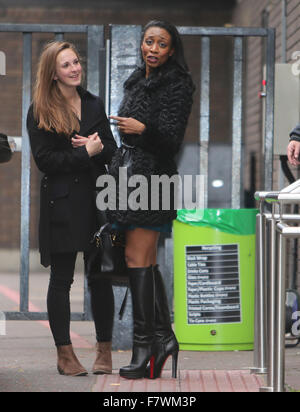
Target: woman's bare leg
pixel 141 247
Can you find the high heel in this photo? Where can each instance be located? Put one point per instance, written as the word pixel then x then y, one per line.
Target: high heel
pixel 152 360
pixel 165 340
pixel 174 364
pixel 162 352
pixel 143 305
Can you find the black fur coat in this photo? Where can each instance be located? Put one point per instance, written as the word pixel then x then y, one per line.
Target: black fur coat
pixel 163 103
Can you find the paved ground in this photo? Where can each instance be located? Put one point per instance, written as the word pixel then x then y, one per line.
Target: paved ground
pixel 28 357
pixel 28 364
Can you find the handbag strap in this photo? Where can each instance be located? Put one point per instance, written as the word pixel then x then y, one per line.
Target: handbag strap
pixel 105 228
pixel 121 313
pixel 127 146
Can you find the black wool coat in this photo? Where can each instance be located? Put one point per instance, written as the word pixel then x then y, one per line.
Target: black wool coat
pixel 163 103
pixel 67 199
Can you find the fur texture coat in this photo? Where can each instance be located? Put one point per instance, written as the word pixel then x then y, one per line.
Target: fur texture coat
pixel 163 103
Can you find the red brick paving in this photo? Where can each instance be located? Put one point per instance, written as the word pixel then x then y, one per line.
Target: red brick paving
pixel 188 381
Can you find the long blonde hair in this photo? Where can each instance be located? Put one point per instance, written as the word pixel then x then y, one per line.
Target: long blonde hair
pixel 51 109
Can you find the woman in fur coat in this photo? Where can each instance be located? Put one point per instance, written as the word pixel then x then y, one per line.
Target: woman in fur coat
pixel 152 120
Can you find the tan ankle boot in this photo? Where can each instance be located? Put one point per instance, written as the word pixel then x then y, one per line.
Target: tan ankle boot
pixel 103 362
pixel 67 362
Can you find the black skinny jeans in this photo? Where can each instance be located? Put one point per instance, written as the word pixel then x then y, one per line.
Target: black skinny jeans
pixel 58 300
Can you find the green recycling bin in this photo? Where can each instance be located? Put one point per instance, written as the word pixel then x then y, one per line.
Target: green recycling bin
pixel 214 279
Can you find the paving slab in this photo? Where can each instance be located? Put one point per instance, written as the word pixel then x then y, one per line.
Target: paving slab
pixel 188 381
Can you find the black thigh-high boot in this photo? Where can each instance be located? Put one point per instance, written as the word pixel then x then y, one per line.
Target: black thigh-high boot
pixel 143 303
pixel 165 340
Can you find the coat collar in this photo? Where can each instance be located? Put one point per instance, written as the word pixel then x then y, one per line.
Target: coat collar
pixel 85 94
pixel 90 115
pixel 164 75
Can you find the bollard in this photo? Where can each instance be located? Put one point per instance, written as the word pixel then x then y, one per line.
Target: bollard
pixel 271 304
pixel 260 350
pixel 279 365
pixel 260 365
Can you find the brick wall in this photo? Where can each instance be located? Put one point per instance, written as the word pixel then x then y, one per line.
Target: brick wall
pixel 193 13
pixel 259 13
pixel 268 13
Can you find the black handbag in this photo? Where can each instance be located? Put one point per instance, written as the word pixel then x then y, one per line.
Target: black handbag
pixel 5 150
pixel 107 259
pixel 107 256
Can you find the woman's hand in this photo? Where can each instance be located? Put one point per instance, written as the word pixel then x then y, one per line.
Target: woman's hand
pixel 92 143
pixel 293 152
pixel 128 125
pixel 81 140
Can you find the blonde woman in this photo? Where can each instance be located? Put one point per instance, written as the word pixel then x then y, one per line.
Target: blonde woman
pixel 71 142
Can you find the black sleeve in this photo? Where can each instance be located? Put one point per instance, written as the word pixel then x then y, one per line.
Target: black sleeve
pixel 164 133
pixel 106 137
pixel 48 158
pixel 295 134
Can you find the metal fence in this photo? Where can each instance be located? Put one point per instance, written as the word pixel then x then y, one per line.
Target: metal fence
pixel 109 62
pixel 239 34
pixel 273 229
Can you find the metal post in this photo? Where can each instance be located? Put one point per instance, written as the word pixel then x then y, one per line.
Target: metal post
pixel 25 175
pixel 271 305
pixel 256 362
pixel 279 365
pixel 237 175
pixel 260 350
pixel 124 57
pixel 205 113
pixel 107 77
pixel 269 123
pixel 95 42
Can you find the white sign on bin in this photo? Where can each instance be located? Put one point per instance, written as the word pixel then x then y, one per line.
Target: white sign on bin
pixel 213 284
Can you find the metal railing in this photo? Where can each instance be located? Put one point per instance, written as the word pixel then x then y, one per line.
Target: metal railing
pixel 273 230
